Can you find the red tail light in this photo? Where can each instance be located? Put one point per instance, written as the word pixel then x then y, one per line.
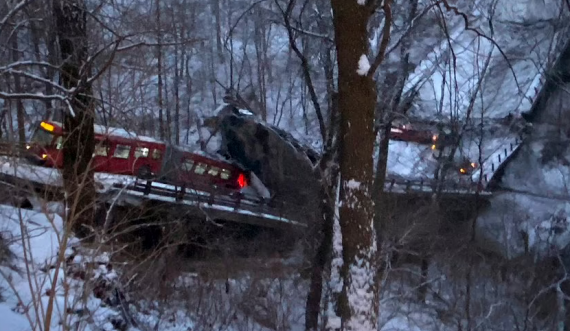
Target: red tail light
pixel 242 182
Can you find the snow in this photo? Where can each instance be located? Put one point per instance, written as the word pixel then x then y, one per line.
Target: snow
pixel 353 184
pixel 245 112
pixel 34 249
pixel 15 167
pixel 120 132
pixel 229 302
pixel 52 176
pixel 446 81
pixel 259 187
pixel 363 65
pixel 362 276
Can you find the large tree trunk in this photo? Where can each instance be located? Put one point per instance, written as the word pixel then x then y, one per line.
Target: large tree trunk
pixel 358 304
pixel 78 143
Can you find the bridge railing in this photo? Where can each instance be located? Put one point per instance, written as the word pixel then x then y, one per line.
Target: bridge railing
pixel 213 198
pixel 493 163
pixel 430 185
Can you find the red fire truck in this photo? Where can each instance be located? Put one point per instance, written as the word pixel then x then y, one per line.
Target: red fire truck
pixel 118 151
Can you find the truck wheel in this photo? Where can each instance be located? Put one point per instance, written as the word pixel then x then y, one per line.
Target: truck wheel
pixel 144 172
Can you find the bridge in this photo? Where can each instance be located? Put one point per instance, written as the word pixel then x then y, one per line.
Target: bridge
pixel 24 178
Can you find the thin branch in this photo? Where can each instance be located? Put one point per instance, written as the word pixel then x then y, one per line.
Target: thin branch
pixel 13 12
pixel 37 78
pixel 31 96
pixel 28 63
pixel 147 44
pixel 410 28
pixel 107 63
pixel 311 34
pixel 387 8
pixel 467 27
pixel 304 64
pixel 231 31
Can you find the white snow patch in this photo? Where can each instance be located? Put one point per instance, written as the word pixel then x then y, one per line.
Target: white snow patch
pixel 361 292
pixel 363 64
pixel 353 184
pixel 259 187
pixel 245 112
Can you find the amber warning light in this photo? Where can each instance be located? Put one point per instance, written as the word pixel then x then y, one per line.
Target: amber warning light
pixel 47 126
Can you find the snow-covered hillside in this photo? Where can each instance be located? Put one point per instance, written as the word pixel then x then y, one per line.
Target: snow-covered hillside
pixel 94 292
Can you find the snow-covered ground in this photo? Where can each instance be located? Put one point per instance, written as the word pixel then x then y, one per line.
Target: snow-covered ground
pixel 34 275
pixel 51 176
pixel 87 283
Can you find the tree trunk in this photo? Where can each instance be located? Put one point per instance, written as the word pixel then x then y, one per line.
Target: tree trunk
pixel 162 130
pixel 78 143
pixel 323 254
pixel 215 7
pixel 358 304
pixel 20 110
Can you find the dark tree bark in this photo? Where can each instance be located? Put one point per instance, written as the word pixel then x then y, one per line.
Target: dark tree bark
pixel 20 110
pixel 78 144
pixel 358 304
pixel 162 127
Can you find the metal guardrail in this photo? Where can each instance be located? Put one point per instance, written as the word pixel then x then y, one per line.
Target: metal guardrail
pixel 502 156
pixel 236 202
pixel 406 186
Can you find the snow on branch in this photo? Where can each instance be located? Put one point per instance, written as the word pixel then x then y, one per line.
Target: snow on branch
pixel 31 96
pixel 19 64
pixel 37 78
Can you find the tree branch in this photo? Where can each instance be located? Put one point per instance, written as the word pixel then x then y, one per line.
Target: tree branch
pixel 304 65
pixel 387 8
pixel 13 12
pixel 467 27
pixel 31 96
